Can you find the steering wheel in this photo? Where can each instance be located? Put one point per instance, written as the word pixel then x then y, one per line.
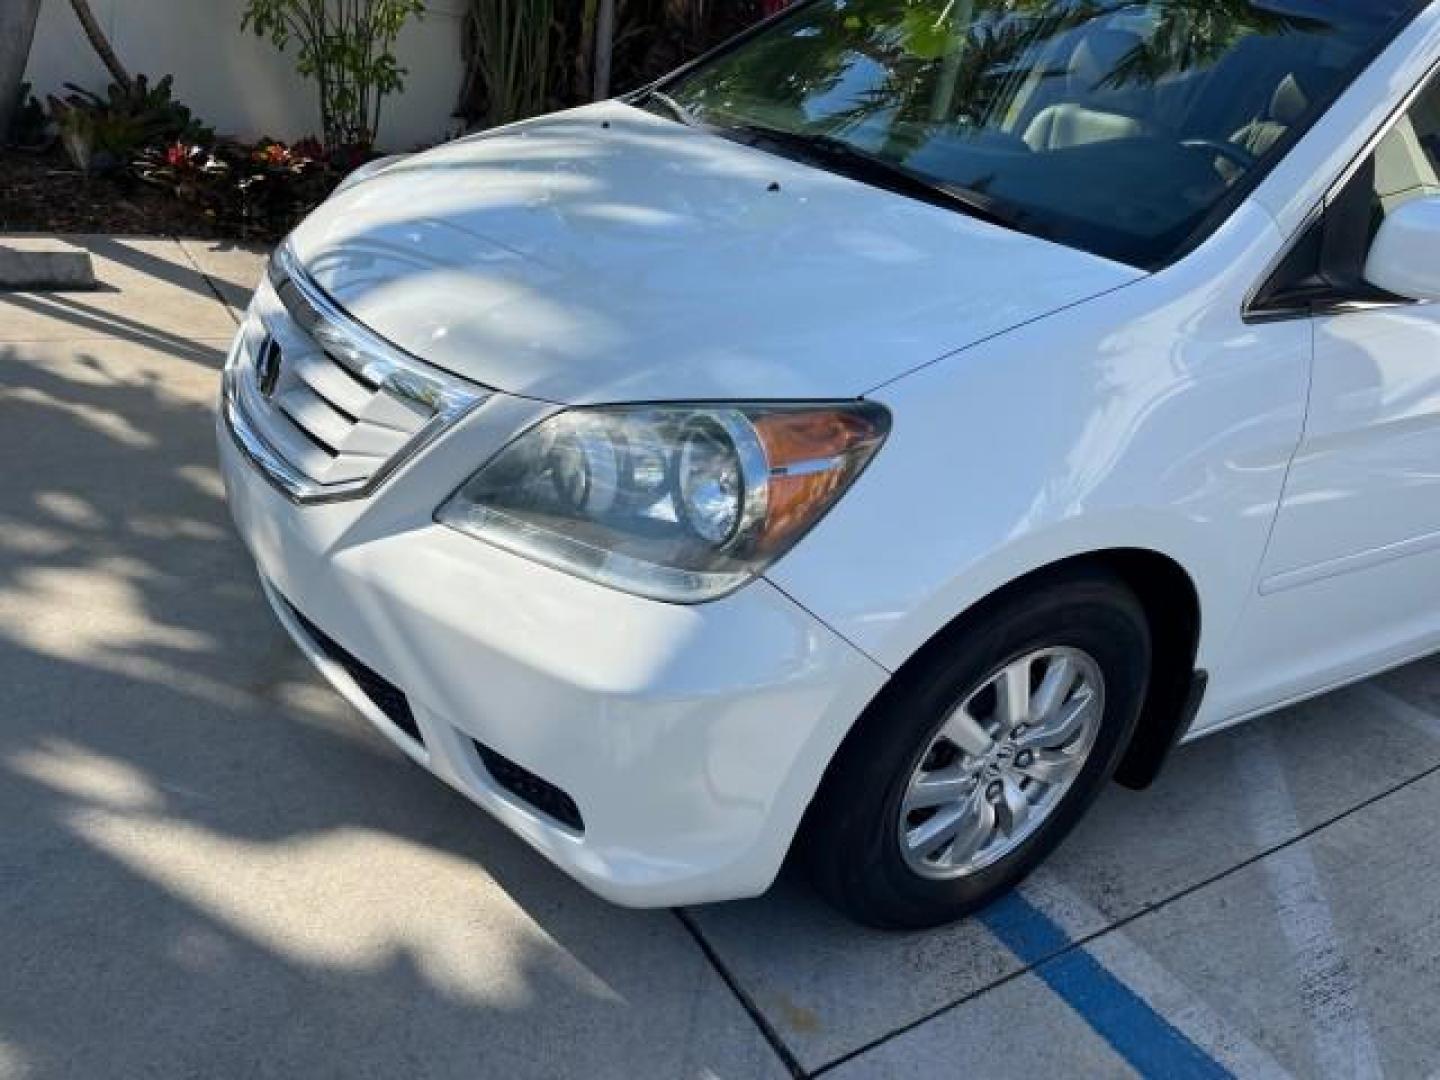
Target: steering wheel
pixel 1236 155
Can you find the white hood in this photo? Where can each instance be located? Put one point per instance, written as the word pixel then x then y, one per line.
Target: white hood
pixel 608 255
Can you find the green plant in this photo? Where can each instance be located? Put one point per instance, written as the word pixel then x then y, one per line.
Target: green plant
pixel 346 46
pixel 260 190
pixel 102 134
pixel 507 51
pixel 526 56
pixel 194 173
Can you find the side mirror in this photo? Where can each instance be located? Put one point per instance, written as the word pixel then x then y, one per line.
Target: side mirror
pixel 1405 258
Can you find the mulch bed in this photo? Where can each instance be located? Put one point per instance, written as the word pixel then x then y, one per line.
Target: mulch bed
pixel 45 193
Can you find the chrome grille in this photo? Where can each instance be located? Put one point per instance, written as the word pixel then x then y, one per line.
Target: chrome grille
pixel 325 407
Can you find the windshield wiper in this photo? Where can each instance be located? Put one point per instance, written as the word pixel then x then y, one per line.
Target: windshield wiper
pixel 848 160
pixel 680 112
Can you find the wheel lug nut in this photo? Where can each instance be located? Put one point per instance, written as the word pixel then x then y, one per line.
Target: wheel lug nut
pixel 1020 729
pixel 1024 758
pixel 994 791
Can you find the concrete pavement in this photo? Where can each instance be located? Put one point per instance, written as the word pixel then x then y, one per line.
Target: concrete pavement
pixel 210 866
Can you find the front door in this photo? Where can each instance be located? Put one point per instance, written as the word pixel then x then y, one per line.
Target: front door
pixel 1365 487
pixel 1351 580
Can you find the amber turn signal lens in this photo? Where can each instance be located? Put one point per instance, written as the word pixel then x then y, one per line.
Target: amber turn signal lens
pixel 813 457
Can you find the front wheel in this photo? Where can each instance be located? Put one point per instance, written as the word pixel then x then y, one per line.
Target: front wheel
pixel 982 754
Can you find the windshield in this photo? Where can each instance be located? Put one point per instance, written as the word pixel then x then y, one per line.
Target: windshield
pixel 1124 129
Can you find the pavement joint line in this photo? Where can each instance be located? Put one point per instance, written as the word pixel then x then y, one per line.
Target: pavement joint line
pixel 1128 961
pixel 1120 924
pixel 767 1030
pixel 209 281
pixel 1133 1028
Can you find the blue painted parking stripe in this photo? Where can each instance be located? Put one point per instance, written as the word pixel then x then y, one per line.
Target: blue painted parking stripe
pixel 1146 1040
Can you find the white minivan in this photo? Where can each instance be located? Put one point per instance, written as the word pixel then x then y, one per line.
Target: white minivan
pixel 864 443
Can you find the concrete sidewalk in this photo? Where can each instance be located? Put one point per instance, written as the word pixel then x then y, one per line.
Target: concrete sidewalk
pixel 210 866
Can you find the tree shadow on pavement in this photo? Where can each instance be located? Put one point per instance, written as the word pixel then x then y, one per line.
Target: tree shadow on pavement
pixel 209 864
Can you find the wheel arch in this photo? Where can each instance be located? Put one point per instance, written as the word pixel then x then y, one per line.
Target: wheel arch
pixel 1172 604
pixel 1172 607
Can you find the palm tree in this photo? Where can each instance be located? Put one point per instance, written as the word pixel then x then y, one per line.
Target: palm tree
pixel 100 43
pixel 1195 33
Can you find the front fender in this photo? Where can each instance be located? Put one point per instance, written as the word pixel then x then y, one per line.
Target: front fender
pixel 1150 418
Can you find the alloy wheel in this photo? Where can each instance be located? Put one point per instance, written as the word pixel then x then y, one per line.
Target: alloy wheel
pixel 1001 762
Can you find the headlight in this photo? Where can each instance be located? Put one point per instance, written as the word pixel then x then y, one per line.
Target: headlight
pixel 679 503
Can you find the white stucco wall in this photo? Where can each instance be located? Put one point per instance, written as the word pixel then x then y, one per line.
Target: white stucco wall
pixel 241 84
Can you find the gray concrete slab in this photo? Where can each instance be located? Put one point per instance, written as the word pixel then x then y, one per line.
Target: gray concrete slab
pixel 828 989
pixel 1417 685
pixel 1017 1030
pixel 1325 953
pixel 148 290
pixel 1320 959
pixel 1333 753
pixel 54 265
pixel 211 867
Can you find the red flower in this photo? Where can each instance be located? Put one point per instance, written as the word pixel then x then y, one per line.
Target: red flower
pixel 272 153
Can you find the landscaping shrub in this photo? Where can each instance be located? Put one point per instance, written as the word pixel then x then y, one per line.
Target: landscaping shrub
pixel 507 46
pixel 505 80
pixel 258 191
pixel 525 57
pixel 347 48
pixel 103 134
pixel 141 134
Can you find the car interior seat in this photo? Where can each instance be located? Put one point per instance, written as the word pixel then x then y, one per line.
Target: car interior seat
pixel 1091 112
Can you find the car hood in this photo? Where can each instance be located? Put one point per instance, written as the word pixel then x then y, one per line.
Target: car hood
pixel 606 254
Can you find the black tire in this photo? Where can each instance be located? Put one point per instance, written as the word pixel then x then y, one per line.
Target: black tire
pixel 850 840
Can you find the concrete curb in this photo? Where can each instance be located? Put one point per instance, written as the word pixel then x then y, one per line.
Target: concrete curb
pixel 50 269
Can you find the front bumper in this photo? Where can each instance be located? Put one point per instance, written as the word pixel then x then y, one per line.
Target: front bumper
pixel 690 738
